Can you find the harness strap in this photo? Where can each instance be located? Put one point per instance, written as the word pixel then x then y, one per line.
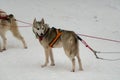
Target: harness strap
pixel 4 17
pixel 56 38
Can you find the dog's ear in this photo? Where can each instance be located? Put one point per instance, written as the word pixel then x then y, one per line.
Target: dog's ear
pixel 34 21
pixel 42 21
pixel 10 15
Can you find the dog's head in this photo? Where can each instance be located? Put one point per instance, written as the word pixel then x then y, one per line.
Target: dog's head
pixel 10 18
pixel 39 27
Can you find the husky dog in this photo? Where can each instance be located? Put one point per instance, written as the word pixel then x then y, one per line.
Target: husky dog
pixel 53 38
pixel 7 22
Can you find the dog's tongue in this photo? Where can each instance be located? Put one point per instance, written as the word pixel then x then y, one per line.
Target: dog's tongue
pixel 40 38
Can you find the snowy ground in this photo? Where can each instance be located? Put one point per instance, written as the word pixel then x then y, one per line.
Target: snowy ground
pixel 94 17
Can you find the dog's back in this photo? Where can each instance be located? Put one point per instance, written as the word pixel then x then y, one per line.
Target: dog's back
pixel 2 13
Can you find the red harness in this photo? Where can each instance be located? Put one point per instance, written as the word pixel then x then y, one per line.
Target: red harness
pixel 3 17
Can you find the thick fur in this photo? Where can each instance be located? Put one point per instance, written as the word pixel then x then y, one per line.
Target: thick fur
pixel 10 24
pixel 68 40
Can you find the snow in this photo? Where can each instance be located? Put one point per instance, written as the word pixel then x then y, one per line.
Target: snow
pixel 93 17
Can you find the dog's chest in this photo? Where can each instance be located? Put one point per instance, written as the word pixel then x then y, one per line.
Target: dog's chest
pixel 44 43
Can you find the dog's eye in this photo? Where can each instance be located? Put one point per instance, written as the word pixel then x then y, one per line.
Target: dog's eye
pixel 37 28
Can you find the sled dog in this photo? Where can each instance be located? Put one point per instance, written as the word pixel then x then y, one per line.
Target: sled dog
pixel 7 22
pixel 55 38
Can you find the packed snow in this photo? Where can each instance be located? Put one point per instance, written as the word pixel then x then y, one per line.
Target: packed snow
pixel 99 18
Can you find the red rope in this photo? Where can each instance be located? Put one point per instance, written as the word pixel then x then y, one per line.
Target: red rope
pixel 25 26
pixel 99 38
pixel 29 24
pixel 24 22
pixel 77 34
pixel 95 52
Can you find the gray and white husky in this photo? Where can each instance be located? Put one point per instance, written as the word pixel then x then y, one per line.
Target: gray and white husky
pixel 53 38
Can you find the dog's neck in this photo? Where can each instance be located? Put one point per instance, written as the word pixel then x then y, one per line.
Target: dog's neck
pixel 4 17
pixel 41 37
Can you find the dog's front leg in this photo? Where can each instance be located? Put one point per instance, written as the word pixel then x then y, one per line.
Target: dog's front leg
pixel 4 41
pixel 52 58
pixel 46 57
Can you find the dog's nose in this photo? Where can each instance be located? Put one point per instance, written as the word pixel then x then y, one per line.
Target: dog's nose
pixel 41 34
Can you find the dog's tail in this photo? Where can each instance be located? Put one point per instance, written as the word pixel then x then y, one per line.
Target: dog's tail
pixel 84 43
pixel 88 46
pixel 79 38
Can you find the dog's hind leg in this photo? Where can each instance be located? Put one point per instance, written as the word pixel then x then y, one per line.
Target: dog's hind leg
pixel 17 34
pixel 52 58
pixel 73 65
pixel 79 62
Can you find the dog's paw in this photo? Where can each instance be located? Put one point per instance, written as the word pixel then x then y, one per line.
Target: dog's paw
pixel 72 70
pixel 3 49
pixel 52 64
pixel 43 65
pixel 25 47
pixel 81 69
